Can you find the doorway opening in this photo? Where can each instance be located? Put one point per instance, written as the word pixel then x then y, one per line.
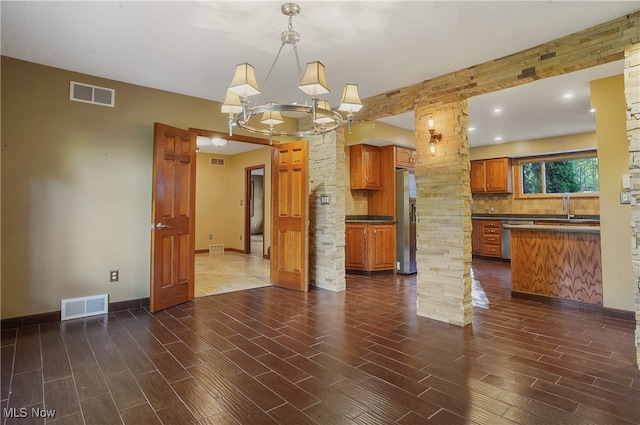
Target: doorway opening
pixel 224 201
pixel 254 215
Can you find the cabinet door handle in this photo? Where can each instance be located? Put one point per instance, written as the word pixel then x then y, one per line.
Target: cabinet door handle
pixel 374 232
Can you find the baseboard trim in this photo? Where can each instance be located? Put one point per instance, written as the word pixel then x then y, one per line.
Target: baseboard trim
pixel 615 313
pixel 607 312
pixel 202 251
pixel 239 251
pixel 54 316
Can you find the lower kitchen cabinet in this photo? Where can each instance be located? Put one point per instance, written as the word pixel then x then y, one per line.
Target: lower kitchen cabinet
pixel 370 247
pixel 486 238
pixel 476 237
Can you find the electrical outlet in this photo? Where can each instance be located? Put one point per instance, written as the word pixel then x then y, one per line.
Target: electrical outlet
pixel 210 236
pixel 114 275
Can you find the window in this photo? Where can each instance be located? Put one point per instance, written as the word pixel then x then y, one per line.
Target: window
pixel 575 173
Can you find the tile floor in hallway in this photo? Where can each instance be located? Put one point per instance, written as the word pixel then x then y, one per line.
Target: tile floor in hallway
pixel 221 272
pixel 361 356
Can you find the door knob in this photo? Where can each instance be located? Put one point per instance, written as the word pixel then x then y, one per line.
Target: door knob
pixel 161 226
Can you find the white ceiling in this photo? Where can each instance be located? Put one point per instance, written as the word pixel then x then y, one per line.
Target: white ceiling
pixel 192 47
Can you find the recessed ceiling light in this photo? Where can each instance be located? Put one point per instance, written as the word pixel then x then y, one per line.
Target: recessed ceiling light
pixel 497 139
pixel 497 110
pixel 471 128
pixel 568 95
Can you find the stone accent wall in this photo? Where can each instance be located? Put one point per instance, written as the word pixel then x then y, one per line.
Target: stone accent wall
pixel 326 222
pixel 444 257
pixel 632 95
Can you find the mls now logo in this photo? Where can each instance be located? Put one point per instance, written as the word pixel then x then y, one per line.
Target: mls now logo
pixel 23 412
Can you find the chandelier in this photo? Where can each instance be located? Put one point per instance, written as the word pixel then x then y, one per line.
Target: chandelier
pixel 313 83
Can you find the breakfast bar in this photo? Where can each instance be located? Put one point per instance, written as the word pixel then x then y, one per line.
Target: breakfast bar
pixel 560 261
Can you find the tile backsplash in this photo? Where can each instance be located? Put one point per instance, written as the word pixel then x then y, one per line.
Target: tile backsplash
pixel 506 204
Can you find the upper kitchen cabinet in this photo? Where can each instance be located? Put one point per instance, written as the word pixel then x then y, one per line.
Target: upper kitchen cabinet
pixel 364 167
pixel 491 176
pixel 405 157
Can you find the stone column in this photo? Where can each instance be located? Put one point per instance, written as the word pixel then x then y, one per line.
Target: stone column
pixel 444 214
pixel 632 95
pixel 326 221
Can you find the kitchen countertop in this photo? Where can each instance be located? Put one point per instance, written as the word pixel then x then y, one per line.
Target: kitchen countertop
pixel 538 217
pixel 369 219
pixel 554 228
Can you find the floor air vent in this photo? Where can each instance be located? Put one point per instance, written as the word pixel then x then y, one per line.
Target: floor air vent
pixel 74 308
pixel 92 94
pixel 216 248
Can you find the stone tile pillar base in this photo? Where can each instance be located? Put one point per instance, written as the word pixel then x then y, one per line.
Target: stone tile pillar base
pixel 632 95
pixel 444 222
pixel 326 221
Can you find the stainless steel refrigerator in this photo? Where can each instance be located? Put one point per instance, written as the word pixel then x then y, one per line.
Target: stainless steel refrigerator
pixel 406 222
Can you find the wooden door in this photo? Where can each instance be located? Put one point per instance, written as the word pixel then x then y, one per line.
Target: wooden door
pixel 173 215
pixel 289 232
pixel 356 247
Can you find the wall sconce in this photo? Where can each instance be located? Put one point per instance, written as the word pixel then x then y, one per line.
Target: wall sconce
pixel 435 137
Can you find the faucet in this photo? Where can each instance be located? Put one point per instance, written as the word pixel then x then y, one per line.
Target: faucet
pixel 566 204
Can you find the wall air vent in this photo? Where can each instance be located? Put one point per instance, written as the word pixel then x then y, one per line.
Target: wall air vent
pixel 92 94
pixel 74 308
pixel 216 248
pixel 217 161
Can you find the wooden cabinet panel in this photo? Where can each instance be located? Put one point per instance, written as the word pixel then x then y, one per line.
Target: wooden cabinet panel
pixel 382 247
pixel 476 237
pixel 364 167
pixel 370 247
pixel 497 175
pixel 565 265
pixel 383 200
pixel 491 176
pixel 405 157
pixel 356 251
pixel 477 176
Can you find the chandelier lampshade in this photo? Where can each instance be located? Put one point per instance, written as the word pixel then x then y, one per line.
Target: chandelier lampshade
pixel 231 103
pixel 314 81
pixel 350 99
pixel 323 113
pixel 271 117
pixel 244 81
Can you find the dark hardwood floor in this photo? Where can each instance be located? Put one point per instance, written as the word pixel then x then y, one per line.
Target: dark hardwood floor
pixel 268 355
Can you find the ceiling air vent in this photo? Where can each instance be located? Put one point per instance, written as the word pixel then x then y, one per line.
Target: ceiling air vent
pixel 217 161
pixel 92 94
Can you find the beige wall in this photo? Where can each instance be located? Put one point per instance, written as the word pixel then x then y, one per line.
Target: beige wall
pixel 219 192
pixel 607 97
pixel 568 143
pixel 76 185
pixel 377 131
